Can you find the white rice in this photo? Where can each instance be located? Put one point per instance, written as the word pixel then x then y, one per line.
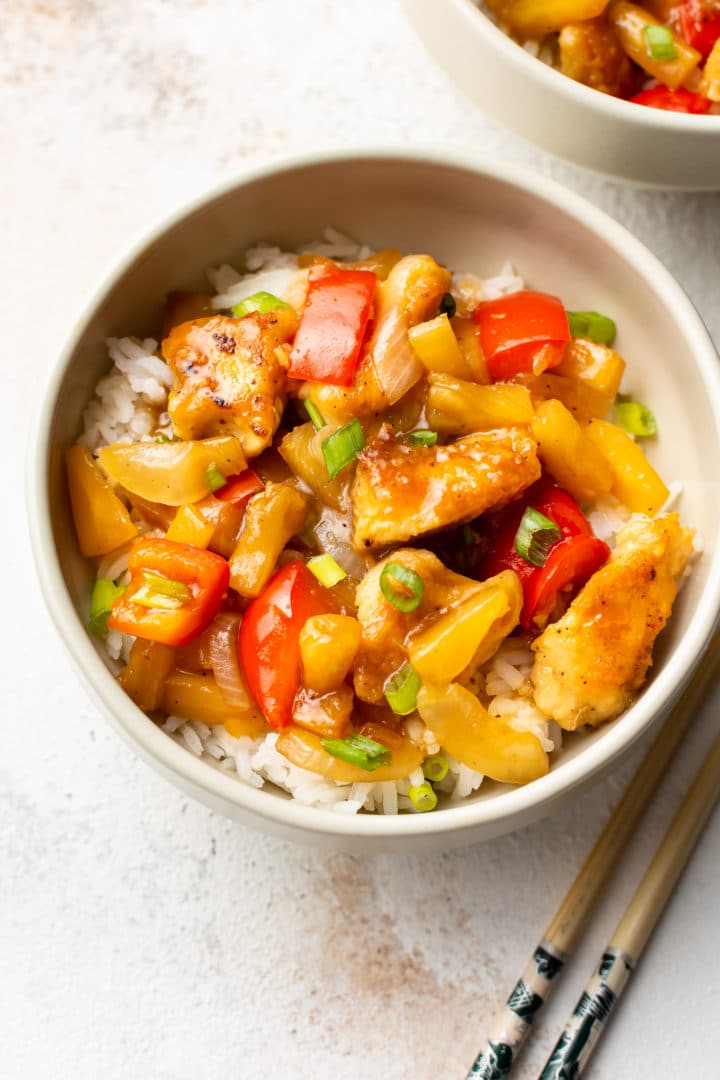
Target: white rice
pixel 471 290
pixel 131 405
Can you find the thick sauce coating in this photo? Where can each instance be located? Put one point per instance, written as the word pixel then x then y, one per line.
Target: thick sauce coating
pixel 402 491
pixel 228 378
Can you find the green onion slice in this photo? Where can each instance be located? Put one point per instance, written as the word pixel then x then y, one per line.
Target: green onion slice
pixel 422 797
pixel 435 768
pixel 636 418
pixel 162 437
pixel 340 448
pixel 314 414
pixel 422 438
pixel 447 305
pixel 401 587
pixel 326 570
pixel 401 690
pixel 659 43
pixel 105 593
pixel 535 536
pixel 590 324
pixel 359 750
pixel 161 592
pixel 215 479
pixel 259 301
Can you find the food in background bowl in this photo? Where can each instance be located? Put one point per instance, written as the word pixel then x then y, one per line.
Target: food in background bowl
pixel 353 524
pixel 664 54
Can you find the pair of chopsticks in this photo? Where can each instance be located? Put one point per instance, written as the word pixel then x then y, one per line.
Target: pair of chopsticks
pixel 584 1028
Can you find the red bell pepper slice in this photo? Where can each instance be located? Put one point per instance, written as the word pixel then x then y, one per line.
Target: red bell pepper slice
pixel 699 26
pixel 571 561
pixel 269 641
pixel 332 326
pixel 680 100
pixel 204 574
pixel 523 332
pixel 240 488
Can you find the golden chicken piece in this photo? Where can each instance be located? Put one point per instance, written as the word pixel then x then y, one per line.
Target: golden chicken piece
pixel 410 294
pixel 591 53
pixel 589 663
pixel 228 378
pixel 401 491
pixel 384 627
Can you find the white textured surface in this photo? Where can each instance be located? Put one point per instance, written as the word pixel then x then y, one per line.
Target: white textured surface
pixel 141 936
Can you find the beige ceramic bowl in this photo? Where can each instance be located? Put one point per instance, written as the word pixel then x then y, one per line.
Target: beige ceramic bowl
pixel 470 215
pixel 581 125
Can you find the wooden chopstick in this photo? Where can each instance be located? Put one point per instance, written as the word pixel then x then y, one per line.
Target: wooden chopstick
pixel 512 1024
pixel 589 1019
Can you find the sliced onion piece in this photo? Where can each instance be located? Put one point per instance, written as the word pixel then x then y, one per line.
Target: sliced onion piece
pixel 226 663
pixel 410 295
pixel 333 537
pixel 396 363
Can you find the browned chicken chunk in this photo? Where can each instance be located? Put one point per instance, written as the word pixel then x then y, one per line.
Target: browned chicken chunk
pixel 591 53
pixel 590 662
pixel 384 628
pixel 228 378
pixel 402 491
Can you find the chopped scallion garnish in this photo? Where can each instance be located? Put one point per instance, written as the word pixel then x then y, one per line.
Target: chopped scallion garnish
pixel 636 418
pixel 659 43
pixel 161 592
pixel 162 437
pixel 326 570
pixel 401 690
pixel 215 479
pixel 105 593
pixel 259 301
pixel 535 536
pixel 422 797
pixel 314 414
pixel 447 305
pixel 340 448
pixel 401 587
pixel 590 324
pixel 359 750
pixel 422 438
pixel 435 768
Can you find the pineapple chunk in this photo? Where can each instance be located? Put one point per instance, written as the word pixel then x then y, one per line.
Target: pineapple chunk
pixel 437 347
pixel 569 454
pixel 634 481
pixel 458 407
pixel 466 730
pixel 328 644
pixel 190 527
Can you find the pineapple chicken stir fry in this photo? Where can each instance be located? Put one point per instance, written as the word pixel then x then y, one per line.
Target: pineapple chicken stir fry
pixel 663 53
pixel 364 497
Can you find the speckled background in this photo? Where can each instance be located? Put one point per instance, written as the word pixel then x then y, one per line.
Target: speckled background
pixel 140 935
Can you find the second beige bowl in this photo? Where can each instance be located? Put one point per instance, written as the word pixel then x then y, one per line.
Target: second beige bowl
pixel 579 124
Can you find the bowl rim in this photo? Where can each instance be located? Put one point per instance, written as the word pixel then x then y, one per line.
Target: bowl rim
pixel 514 805
pixel 550 78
